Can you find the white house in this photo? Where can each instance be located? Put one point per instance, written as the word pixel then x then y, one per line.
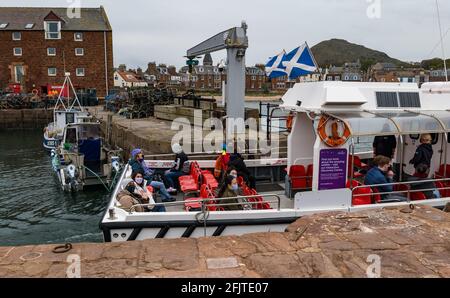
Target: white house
pixel 128 79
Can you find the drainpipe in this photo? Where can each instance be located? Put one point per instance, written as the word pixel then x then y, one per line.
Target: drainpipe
pixel 106 64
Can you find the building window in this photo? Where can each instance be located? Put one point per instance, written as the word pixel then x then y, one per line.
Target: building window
pixel 3 25
pixel 355 78
pixel 51 51
pixel 29 26
pixel 79 52
pixel 80 72
pixel 253 78
pixel 52 30
pixel 18 73
pixel 17 36
pixel 17 51
pixel 52 71
pixel 78 36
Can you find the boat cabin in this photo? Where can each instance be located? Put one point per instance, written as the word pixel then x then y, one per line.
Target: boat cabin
pixel 335 124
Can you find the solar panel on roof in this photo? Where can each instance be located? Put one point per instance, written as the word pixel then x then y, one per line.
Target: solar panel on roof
pixel 387 99
pixel 409 99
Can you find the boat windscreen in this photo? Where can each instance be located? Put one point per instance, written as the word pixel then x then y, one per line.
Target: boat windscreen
pixel 88 132
pixel 414 123
pixel 371 124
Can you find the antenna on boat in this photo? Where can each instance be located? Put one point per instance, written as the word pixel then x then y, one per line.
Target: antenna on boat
pixel 76 100
pixel 442 41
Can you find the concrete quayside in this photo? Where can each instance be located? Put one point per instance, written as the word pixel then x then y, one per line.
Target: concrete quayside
pixel 389 242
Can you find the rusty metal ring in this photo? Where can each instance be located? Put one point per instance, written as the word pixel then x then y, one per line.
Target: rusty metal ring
pixel 62 249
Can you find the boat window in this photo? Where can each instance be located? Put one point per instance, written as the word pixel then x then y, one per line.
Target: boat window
pixel 89 132
pixel 70 118
pixel 71 135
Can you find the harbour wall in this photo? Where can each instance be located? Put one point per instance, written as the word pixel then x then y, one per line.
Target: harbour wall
pixel 395 242
pixel 25 118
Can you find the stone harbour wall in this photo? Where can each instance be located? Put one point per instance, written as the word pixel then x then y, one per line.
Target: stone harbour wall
pixel 25 119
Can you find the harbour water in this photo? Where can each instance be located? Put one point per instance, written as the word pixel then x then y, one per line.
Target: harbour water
pixel 33 209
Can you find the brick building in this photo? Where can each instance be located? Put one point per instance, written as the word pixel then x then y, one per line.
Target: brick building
pixel 38 45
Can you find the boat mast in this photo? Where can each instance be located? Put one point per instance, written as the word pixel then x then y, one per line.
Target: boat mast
pixel 442 41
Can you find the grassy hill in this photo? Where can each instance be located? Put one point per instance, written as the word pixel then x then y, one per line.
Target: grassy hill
pixel 338 51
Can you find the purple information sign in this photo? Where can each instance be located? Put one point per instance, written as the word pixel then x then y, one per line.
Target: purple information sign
pixel 332 169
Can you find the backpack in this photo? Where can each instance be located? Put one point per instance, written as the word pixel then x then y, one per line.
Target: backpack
pixel 186 167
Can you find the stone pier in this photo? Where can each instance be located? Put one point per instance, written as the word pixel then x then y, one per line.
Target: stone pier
pixel 25 118
pixel 386 243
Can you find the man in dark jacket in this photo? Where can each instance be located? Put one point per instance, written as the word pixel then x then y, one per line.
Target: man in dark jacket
pixel 176 171
pixel 380 174
pixel 424 152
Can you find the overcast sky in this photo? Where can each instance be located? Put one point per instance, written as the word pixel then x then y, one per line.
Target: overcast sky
pixel 162 31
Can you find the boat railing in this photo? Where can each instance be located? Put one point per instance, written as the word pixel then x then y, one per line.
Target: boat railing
pixel 216 202
pixel 406 191
pixel 210 154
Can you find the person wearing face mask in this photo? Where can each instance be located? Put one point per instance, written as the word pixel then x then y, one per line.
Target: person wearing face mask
pixel 381 174
pixel 229 189
pixel 138 164
pixel 141 185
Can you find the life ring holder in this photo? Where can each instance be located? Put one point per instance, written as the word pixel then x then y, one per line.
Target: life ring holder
pixel 335 140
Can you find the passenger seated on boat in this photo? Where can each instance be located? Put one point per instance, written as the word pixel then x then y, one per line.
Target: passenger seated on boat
pixel 229 190
pixel 422 173
pixel 231 171
pixel 138 177
pixel 138 164
pixel 176 171
pixel 139 190
pixel 380 174
pixel 126 199
pixel 237 161
pixel 424 151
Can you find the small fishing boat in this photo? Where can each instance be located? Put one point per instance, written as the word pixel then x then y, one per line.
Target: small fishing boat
pixel 65 112
pixel 83 160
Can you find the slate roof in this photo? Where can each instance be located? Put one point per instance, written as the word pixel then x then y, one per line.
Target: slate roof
pixel 92 19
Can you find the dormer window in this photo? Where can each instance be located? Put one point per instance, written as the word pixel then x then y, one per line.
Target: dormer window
pixel 52 30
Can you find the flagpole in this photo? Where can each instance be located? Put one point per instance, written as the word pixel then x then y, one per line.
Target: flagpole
pixel 314 59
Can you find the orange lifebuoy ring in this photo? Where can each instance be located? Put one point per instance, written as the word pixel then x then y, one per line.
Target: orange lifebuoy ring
pixel 335 139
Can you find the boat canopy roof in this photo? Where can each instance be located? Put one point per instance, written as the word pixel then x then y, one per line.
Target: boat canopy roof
pixel 369 123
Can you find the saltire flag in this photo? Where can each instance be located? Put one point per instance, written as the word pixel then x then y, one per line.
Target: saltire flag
pixel 275 68
pixel 299 62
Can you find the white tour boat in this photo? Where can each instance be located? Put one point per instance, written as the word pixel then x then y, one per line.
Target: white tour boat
pixel 320 173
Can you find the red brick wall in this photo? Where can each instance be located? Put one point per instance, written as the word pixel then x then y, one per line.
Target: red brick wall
pixel 34 58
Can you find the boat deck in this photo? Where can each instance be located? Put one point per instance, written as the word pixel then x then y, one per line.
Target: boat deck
pixel 262 189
